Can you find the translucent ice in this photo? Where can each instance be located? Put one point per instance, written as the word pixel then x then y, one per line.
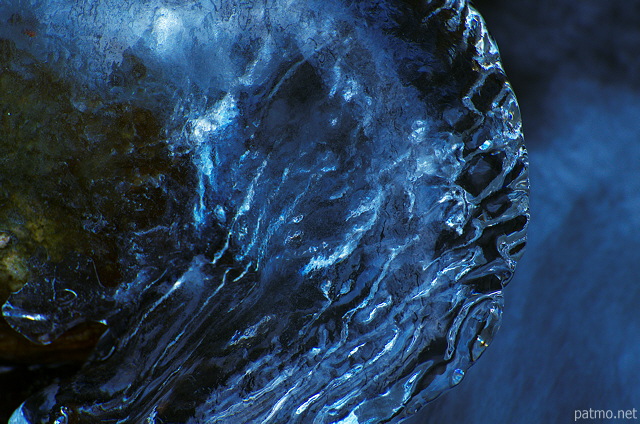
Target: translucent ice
pixel 359 200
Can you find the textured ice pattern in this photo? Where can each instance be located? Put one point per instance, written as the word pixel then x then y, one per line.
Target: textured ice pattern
pixel 360 200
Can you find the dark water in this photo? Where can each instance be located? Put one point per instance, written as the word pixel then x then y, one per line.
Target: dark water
pixel 570 339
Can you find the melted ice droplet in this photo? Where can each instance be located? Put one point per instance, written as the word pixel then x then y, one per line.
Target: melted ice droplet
pixel 457 376
pixel 485 336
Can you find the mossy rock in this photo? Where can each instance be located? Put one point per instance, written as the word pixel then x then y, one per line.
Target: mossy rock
pixel 79 172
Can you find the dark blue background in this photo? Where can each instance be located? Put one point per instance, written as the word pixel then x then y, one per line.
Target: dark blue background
pixel 570 337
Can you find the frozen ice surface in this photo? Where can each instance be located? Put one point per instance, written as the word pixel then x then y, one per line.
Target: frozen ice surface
pixel 360 200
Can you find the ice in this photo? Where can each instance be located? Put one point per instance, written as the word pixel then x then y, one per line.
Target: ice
pixel 358 202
